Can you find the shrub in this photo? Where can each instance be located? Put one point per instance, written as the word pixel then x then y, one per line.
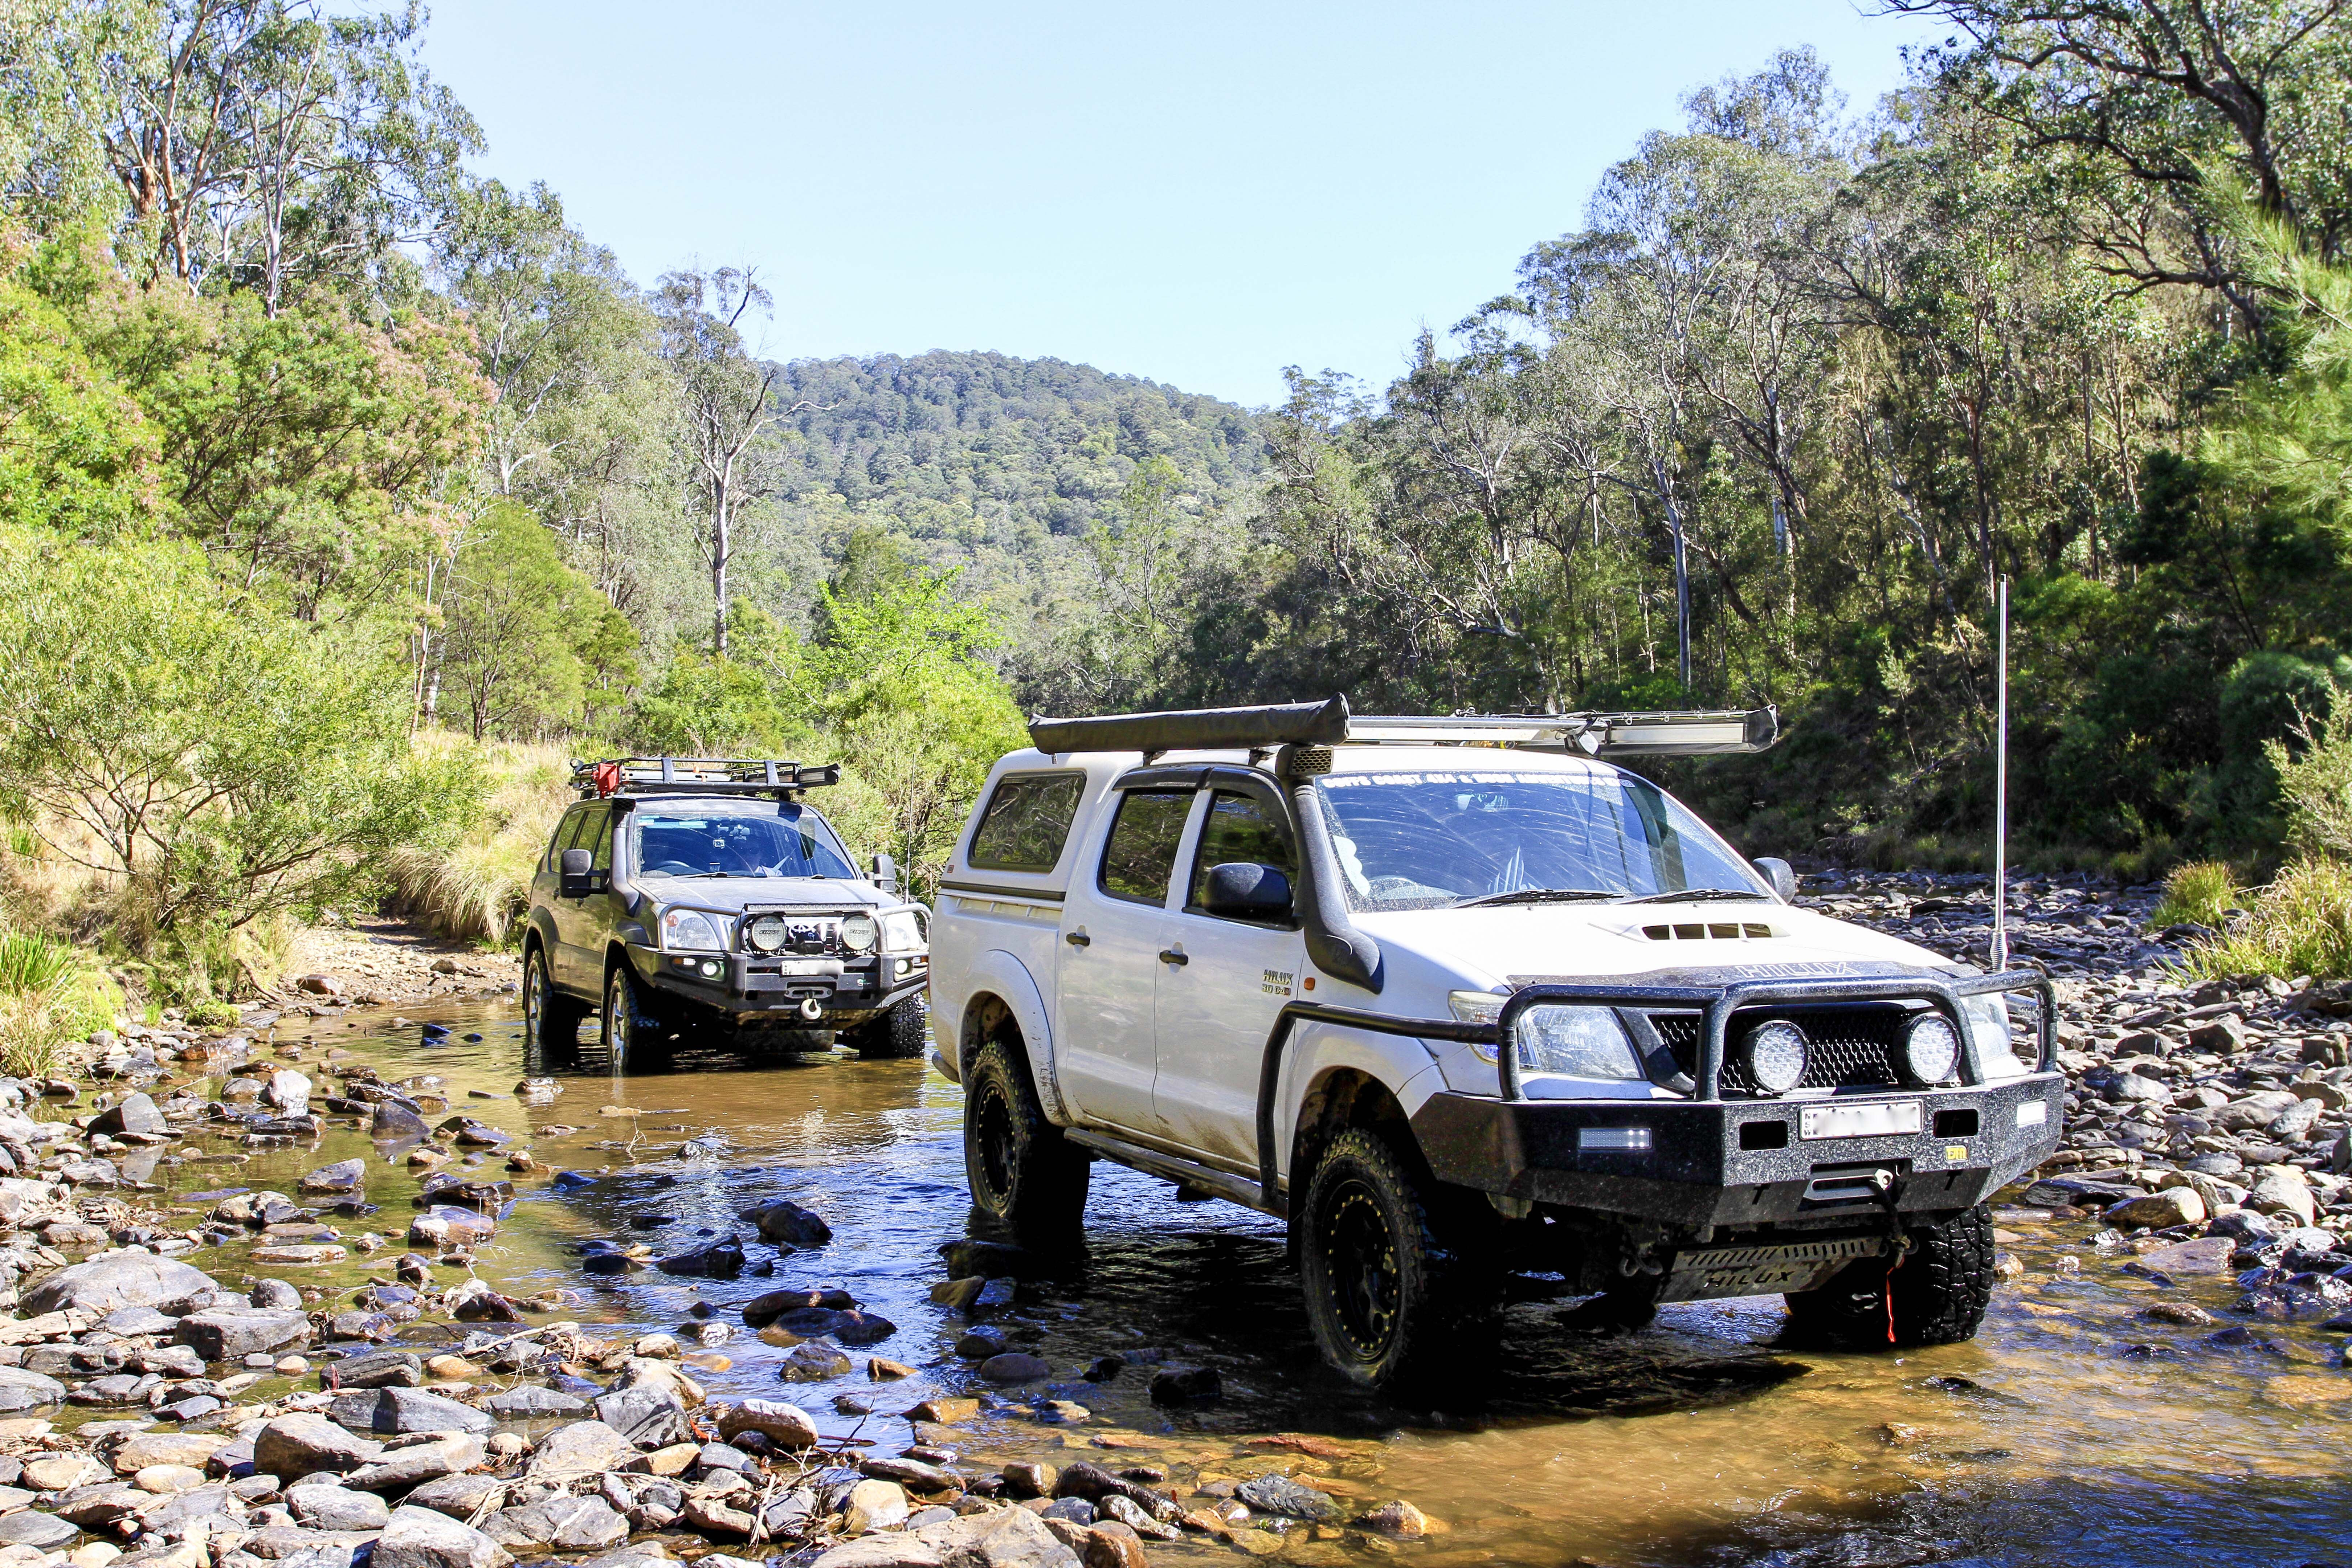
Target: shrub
pixel 2199 894
pixel 51 994
pixel 2301 924
pixel 476 885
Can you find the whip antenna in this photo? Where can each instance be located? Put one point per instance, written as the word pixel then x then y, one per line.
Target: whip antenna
pixel 2000 787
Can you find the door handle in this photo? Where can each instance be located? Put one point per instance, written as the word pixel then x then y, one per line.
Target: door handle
pixel 1077 939
pixel 1175 955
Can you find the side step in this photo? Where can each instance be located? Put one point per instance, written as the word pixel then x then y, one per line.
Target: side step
pixel 1242 1190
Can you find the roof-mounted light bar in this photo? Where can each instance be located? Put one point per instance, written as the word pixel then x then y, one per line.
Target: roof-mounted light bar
pixel 698 775
pixel 1662 734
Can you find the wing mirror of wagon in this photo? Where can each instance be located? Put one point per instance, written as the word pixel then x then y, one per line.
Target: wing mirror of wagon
pixel 579 880
pixel 1782 876
pixel 1240 890
pixel 885 874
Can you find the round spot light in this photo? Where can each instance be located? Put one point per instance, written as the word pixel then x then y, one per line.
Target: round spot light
pixel 769 933
pixel 1774 1055
pixel 1931 1049
pixel 858 933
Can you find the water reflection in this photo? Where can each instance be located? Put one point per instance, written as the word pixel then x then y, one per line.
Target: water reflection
pixel 2073 1430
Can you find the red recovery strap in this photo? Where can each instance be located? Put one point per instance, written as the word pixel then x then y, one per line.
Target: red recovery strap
pixel 607 778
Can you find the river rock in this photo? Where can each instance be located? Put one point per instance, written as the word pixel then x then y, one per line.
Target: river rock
pixel 1014 1366
pixel 393 1120
pixel 529 1401
pixel 289 1090
pixel 300 1445
pixel 648 1417
pixel 426 1537
pixel 344 1177
pixel 377 1369
pixel 2283 1191
pixel 121 1279
pixel 2158 1211
pixel 337 1507
pixel 136 1112
pixel 455 1495
pixel 1398 1520
pixel 2205 1254
pixel 791 1225
pixel 582 1449
pixel 141 1449
pixel 392 1411
pixel 40 1531
pixel 814 1361
pixel 1185 1386
pixel 232 1333
pixel 1280 1494
pixel 401 1468
pixel 785 1426
pixel 874 1505
pixel 561 1523
pixel 22 1390
pixel 722 1259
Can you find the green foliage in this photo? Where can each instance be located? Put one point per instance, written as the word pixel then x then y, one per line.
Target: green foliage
pixel 76 453
pixel 476 883
pixel 2300 925
pixel 2199 893
pixel 524 635
pixel 228 763
pixel 51 994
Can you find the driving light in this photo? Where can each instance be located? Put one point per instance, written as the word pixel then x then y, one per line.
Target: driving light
pixel 902 931
pixel 768 934
pixel 1931 1051
pixel 857 932
pixel 1774 1055
pixel 691 930
pixel 2032 1113
pixel 1614 1139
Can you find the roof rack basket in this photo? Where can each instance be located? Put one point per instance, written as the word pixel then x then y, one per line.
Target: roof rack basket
pixel 1693 733
pixel 698 775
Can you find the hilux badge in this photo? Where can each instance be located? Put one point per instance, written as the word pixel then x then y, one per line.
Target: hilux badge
pixel 1276 982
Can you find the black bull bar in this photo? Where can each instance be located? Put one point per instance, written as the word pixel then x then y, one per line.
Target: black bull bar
pixel 1717 1005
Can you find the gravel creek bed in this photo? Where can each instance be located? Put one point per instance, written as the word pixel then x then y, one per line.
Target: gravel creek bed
pixel 362 1283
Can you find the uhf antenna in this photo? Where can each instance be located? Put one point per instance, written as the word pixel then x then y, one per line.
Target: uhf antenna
pixel 2000 786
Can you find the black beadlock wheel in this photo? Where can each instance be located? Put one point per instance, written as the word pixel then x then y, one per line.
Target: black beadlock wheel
pixel 549 1017
pixel 1384 1287
pixel 1024 1175
pixel 901 1032
pixel 1935 1294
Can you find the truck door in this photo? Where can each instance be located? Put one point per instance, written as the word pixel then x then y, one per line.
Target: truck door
pixel 1216 1008
pixel 1115 924
pixel 576 928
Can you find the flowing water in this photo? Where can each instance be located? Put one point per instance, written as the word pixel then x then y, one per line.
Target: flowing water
pixel 2072 1430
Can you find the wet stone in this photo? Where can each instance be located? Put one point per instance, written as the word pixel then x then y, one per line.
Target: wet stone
pixel 337 1507
pixel 392 1410
pixel 813 1363
pixel 1281 1495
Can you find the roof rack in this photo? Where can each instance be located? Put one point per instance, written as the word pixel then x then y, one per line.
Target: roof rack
pixel 1681 733
pixel 698 775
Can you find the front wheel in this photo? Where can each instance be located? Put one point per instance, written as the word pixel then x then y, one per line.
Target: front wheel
pixel 1935 1294
pixel 1381 1284
pixel 1024 1175
pixel 549 1017
pixel 630 1027
pixel 903 1031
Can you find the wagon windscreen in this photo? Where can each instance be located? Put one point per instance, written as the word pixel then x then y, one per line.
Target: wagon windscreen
pixel 795 842
pixel 1422 841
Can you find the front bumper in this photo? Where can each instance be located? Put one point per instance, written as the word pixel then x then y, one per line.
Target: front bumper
pixel 1743 1163
pixel 843 991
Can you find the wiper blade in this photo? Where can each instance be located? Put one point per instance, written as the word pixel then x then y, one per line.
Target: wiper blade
pixel 1700 896
pixel 1540 896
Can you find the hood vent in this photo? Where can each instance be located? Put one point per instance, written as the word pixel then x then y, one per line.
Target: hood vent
pixel 1710 930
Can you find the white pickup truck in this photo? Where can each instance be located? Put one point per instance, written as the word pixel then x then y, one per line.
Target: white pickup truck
pixel 1459 996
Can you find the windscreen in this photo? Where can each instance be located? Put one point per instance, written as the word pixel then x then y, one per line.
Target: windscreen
pixel 794 842
pixel 1422 841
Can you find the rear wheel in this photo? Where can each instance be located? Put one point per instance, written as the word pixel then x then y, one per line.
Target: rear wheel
pixel 1935 1294
pixel 1024 1175
pixel 903 1031
pixel 632 1027
pixel 1386 1276
pixel 549 1017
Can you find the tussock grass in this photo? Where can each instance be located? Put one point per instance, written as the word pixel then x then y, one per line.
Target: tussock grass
pixel 479 887
pixel 2199 894
pixel 52 995
pixel 2301 924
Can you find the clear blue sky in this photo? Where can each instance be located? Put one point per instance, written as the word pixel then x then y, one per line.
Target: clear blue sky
pixel 1198 193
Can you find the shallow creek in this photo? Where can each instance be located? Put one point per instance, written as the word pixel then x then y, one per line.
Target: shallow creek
pixel 2071 1431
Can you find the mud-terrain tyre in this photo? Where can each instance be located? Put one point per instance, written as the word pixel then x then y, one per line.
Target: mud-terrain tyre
pixel 549 1017
pixel 901 1032
pixel 633 1028
pixel 1024 1176
pixel 1936 1295
pixel 1388 1281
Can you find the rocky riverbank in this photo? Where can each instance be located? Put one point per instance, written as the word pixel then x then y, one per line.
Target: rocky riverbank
pixel 337 1382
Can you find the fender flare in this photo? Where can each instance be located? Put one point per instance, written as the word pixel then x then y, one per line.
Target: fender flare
pixel 540 927
pixel 1320 1049
pixel 999 973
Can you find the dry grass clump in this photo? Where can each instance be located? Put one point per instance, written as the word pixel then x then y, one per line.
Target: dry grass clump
pixel 477 888
pixel 52 995
pixel 2300 925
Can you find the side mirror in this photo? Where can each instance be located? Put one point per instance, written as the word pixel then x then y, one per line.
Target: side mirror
pixel 579 880
pixel 1239 890
pixel 885 873
pixel 1783 876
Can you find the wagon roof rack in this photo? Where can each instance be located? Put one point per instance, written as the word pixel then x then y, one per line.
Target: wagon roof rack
pixel 1680 733
pixel 698 775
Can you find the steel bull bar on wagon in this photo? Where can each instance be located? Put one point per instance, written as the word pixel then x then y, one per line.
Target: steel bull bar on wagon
pixel 1700 1159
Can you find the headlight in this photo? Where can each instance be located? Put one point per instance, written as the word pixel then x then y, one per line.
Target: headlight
pixel 1988 1020
pixel 692 931
pixel 1774 1055
pixel 1564 1042
pixel 857 932
pixel 1476 1008
pixel 768 934
pixel 1931 1051
pixel 902 931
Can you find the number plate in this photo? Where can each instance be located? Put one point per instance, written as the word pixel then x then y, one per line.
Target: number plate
pixel 808 966
pixel 1881 1121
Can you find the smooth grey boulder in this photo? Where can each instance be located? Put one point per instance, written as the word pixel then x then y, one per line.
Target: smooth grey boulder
pixel 1000 1537
pixel 791 1225
pixel 337 1507
pixel 343 1176
pixel 386 1411
pixel 120 1279
pixel 583 1448
pixel 561 1523
pixel 427 1538
pixel 135 1113
pixel 289 1090
pixel 401 1468
pixel 232 1333
pixel 39 1530
pixel 531 1400
pixel 298 1445
pixel 379 1369
pixel 456 1495
pixel 21 1390
pixel 392 1120
pixel 648 1417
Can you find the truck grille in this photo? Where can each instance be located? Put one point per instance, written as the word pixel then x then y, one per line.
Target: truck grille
pixel 1849 1046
